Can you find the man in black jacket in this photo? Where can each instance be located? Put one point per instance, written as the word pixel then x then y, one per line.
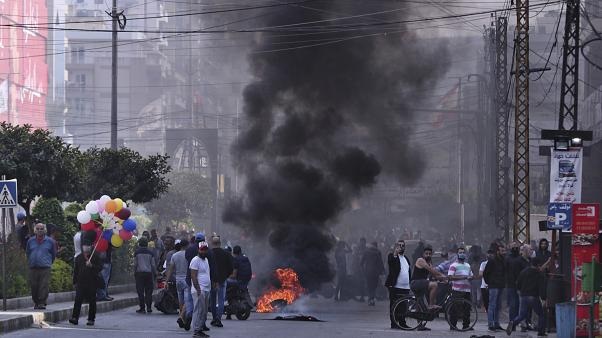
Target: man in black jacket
pixel 495 277
pixel 515 263
pixel 220 271
pixel 86 280
pixel 532 292
pixel 398 280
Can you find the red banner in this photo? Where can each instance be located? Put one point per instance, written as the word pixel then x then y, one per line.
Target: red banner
pixel 585 248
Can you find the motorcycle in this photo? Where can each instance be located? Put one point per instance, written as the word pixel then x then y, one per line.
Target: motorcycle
pixel 238 301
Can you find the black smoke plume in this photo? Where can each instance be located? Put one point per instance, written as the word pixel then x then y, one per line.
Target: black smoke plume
pixel 327 112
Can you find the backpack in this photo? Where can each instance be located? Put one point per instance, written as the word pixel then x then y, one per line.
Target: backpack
pixel 244 270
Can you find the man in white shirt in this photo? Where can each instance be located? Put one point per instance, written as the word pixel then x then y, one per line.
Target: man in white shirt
pixel 460 274
pixel 201 286
pixel 398 280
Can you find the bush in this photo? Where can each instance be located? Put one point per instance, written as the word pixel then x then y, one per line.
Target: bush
pixel 61 276
pixel 122 260
pixel 49 210
pixel 17 271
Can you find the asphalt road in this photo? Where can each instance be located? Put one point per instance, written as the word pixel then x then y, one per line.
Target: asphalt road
pixel 341 319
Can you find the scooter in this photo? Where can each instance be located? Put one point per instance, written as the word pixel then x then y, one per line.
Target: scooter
pixel 238 301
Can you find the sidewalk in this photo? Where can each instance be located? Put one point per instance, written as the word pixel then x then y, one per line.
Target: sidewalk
pixel 59 308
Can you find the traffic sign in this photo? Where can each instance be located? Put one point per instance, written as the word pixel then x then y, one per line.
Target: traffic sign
pixel 559 216
pixel 8 194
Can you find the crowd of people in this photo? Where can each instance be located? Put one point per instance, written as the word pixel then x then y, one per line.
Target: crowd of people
pixel 520 274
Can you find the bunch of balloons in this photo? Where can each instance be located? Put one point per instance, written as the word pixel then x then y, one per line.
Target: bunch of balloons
pixel 109 219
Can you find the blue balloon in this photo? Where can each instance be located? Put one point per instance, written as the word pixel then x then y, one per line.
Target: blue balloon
pixel 129 224
pixel 107 234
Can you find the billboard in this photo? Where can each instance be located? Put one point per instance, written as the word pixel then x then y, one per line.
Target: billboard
pixel 565 176
pixel 585 249
pixel 23 68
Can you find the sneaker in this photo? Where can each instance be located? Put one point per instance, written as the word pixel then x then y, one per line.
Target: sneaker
pixel 510 328
pixel 73 321
pixel 542 334
pixel 187 323
pixel 90 323
pixel 149 310
pixel 200 334
pixel 180 323
pixel 140 311
pixel 492 329
pixel 423 328
pixel 205 328
pixel 217 323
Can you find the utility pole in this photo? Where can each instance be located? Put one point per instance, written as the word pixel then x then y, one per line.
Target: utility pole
pixel 114 16
pixel 502 191
pixel 569 92
pixel 521 127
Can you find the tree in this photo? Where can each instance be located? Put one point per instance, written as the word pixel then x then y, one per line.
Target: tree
pixel 123 173
pixel 43 165
pixel 189 194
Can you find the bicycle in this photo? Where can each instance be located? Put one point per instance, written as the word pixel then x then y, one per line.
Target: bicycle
pixel 409 313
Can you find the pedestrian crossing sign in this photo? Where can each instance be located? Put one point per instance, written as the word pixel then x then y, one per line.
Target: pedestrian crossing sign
pixel 8 194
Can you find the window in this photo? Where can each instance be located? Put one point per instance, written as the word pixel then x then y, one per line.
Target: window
pixel 80 80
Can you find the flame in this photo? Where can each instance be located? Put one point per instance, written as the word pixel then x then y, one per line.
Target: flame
pixel 289 291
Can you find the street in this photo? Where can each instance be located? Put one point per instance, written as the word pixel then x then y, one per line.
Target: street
pixel 344 319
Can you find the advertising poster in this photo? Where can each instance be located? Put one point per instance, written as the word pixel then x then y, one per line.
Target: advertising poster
pixel 565 176
pixel 585 246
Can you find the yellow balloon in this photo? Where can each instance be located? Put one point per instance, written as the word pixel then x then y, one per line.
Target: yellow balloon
pixel 119 203
pixel 116 241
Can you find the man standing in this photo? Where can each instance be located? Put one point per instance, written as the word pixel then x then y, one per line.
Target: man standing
pixel 145 267
pixel 358 273
pixel 242 271
pixel 191 252
pixel 178 267
pixel 340 257
pixel 87 266
pixel 484 286
pixel 398 280
pixel 514 265
pixel 543 255
pixel 41 252
pixel 102 294
pixel 23 230
pixel 372 264
pixel 223 266
pixel 421 284
pixel 532 292
pixel 495 277
pixel 460 274
pixel 200 274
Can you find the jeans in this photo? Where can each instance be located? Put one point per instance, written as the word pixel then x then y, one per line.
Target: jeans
pixel 394 295
pixel 512 300
pixel 84 294
pixel 105 273
pixel 485 298
pixel 495 307
pixel 39 279
pixel 460 311
pixel 528 303
pixel 144 288
pixel 201 305
pixel 218 296
pixel 185 297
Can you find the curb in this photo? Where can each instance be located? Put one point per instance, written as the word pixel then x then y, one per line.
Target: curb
pixel 26 320
pixel 59 297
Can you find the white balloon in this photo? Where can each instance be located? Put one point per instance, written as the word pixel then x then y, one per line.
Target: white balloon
pixel 124 205
pixel 83 217
pixel 104 199
pixel 92 208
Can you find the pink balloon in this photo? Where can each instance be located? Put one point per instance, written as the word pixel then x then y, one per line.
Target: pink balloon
pixel 101 207
pixel 125 235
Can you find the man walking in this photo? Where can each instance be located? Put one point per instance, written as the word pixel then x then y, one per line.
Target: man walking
pixel 223 266
pixel 191 252
pixel 495 277
pixel 532 292
pixel 87 266
pixel 41 252
pixel 514 265
pixel 460 274
pixel 372 264
pixel 200 274
pixel 340 257
pixel 398 280
pixel 178 267
pixel 145 267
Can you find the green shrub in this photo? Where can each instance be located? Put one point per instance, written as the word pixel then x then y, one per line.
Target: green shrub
pixel 122 260
pixel 61 276
pixel 49 210
pixel 17 271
